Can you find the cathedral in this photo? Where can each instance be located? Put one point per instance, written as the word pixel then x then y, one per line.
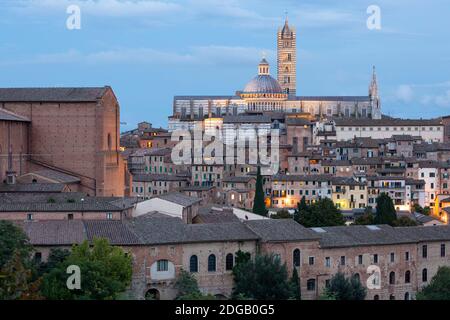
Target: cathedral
pixel 265 94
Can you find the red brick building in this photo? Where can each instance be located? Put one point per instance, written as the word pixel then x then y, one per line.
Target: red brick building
pixel 74 131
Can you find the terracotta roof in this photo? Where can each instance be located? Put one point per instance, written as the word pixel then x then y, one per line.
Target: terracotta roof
pixel 52 94
pixel 7 115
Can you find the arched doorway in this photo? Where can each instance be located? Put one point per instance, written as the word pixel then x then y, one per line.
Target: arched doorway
pixel 152 294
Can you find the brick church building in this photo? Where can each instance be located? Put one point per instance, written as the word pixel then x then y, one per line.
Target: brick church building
pixel 62 134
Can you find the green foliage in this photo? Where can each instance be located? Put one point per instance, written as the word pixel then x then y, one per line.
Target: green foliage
pixel 242 257
pixel 439 287
pixel 13 241
pixel 282 214
pixel 55 257
pixel 385 213
pixel 265 278
pixel 295 285
pixel 186 283
pixel 419 209
pixel 322 213
pixel 259 205
pixel 365 219
pixel 342 288
pixel 404 222
pixel 16 280
pixel 105 273
pixel 187 287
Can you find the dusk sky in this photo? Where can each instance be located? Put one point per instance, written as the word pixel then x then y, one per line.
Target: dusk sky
pixel 149 51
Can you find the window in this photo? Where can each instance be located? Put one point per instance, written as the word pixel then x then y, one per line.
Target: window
pixel 408 276
pixel 29 216
pixel 391 297
pixel 162 265
pixel 376 297
pixel 311 285
pixel 406 256
pixel 38 257
pixel 357 277
pixel 392 277
pixel 360 259
pixel 109 216
pixel 70 216
pixel 296 258
pixel 342 260
pixel 311 261
pixel 193 264
pixel 212 263
pixel 375 258
pixel 392 257
pixel 406 295
pixel 424 251
pixel 327 262
pixel 229 262
pixel 425 275
pixel 443 250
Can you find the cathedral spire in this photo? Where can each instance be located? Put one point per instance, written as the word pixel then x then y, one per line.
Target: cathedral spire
pixel 373 89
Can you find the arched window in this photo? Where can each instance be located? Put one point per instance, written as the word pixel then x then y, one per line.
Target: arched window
pixel 311 285
pixel 296 258
pixel 376 297
pixel 212 263
pixel 406 295
pixel 109 141
pixel 392 277
pixel 193 264
pixel 229 262
pixel 408 276
pixel 425 275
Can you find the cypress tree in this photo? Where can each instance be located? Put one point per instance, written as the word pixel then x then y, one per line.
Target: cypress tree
pixel 259 205
pixel 385 213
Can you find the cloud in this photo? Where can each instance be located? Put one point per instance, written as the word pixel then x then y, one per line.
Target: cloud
pixel 429 94
pixel 404 93
pixel 441 100
pixel 109 8
pixel 197 55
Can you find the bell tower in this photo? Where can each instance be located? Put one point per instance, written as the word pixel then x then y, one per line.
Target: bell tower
pixel 287 59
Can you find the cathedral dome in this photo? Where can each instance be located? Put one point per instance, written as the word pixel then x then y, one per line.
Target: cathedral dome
pixel 263 82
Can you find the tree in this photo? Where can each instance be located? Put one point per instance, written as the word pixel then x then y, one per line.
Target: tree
pixel 282 214
pixel 439 287
pixel 263 278
pixel 342 288
pixel 16 280
pixel 404 222
pixel 365 219
pixel 13 241
pixel 105 273
pixel 385 213
pixel 322 213
pixel 259 205
pixel 55 257
pixel 419 209
pixel 187 287
pixel 295 285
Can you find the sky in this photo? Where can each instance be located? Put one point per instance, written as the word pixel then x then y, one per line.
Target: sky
pixel 149 51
